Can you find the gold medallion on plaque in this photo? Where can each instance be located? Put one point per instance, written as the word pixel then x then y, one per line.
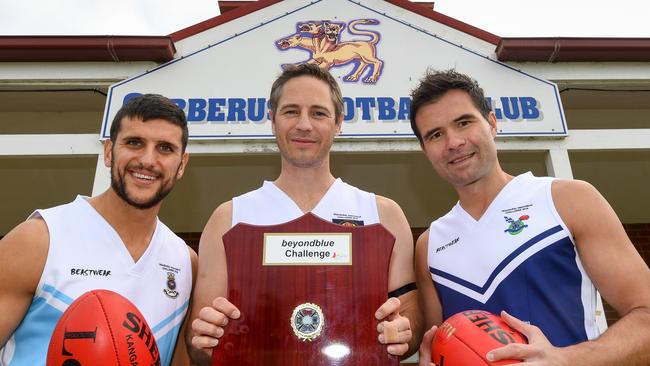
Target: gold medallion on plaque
pixel 307 321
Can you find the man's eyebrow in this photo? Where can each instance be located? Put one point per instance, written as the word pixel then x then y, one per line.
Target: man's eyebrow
pixel 463 117
pixel 430 132
pixel 130 137
pixel 284 106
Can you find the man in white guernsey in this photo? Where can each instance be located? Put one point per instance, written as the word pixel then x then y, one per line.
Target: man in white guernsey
pixel 112 241
pixel 533 249
pixel 307 112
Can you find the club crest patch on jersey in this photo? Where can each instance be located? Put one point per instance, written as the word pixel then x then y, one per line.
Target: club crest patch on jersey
pixel 347 219
pixel 171 272
pixel 171 286
pixel 516 226
pixel 347 222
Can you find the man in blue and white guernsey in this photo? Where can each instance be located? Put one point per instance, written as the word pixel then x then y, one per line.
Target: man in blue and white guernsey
pixel 112 241
pixel 534 249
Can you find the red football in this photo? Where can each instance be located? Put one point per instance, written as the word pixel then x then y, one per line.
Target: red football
pixel 465 338
pixel 102 328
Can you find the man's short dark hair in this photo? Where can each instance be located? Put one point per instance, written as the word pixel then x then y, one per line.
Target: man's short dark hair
pixel 148 107
pixel 294 71
pixel 436 83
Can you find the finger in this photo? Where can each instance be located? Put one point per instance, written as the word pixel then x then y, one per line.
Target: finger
pixel 531 332
pixel 391 306
pixel 397 349
pixel 210 315
pixel 401 337
pixel 425 362
pixel 513 351
pixel 226 307
pixel 392 334
pixel 203 328
pixel 205 343
pixel 401 322
pixel 427 340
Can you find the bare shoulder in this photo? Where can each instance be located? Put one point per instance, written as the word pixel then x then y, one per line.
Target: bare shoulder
pixel 30 237
pixel 393 218
pixel 220 220
pixel 387 207
pixel 422 244
pixel 223 211
pixel 571 196
pixel 583 209
pixel 23 252
pixel 572 190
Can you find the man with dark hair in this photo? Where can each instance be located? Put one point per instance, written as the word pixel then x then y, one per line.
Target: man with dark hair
pixel 307 113
pixel 148 107
pixel 112 241
pixel 533 249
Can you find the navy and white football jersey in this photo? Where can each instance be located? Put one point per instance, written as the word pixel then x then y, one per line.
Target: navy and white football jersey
pixel 519 257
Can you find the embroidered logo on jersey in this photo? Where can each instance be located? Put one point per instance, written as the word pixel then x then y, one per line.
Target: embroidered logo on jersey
pixel 516 226
pixel 171 286
pixel 348 222
pixel 347 219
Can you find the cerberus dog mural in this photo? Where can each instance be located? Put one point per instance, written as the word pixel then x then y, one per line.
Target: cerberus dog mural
pixel 322 39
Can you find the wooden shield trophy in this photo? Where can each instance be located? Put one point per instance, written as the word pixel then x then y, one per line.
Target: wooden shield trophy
pixel 307 291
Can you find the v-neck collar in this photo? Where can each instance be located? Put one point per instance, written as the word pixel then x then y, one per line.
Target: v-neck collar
pixel 116 241
pixel 509 186
pixel 278 191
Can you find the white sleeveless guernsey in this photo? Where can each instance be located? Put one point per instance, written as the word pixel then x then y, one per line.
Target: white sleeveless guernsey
pixel 86 253
pixel 519 257
pixel 269 205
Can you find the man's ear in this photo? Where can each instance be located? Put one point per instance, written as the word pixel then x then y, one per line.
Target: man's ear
pixel 272 121
pixel 108 153
pixel 181 168
pixel 492 120
pixel 422 147
pixel 339 124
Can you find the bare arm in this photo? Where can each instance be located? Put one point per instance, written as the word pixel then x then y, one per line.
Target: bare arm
pixel 427 298
pixel 401 272
pixel 23 252
pixel 427 294
pixel 181 356
pixel 618 272
pixel 210 289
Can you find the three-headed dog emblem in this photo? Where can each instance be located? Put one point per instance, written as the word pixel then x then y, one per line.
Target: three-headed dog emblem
pixel 322 39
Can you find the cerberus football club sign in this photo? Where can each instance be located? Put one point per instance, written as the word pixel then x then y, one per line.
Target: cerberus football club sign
pixel 322 39
pixel 376 49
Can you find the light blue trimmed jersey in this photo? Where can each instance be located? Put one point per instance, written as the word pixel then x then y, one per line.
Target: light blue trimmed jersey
pixel 519 257
pixel 86 253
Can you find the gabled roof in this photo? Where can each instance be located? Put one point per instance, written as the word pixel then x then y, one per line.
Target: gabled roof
pixel 161 48
pixel 413 7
